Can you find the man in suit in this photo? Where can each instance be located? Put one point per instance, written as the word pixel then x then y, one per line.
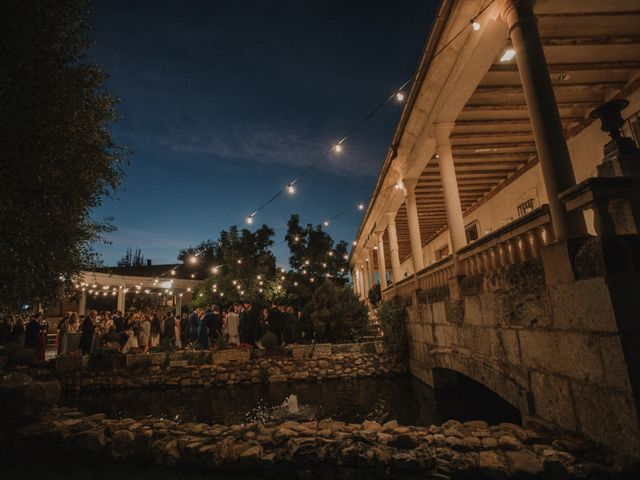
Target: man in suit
pixel 88 329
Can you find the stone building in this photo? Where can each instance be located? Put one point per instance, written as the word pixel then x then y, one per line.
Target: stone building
pixel 505 216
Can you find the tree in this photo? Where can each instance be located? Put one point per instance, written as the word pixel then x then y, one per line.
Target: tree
pixel 132 259
pixel 336 313
pixel 239 266
pixel 315 258
pixel 58 158
pixel 392 316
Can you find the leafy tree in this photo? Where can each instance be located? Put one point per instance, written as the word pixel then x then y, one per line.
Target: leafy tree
pixel 375 294
pixel 58 158
pixel 239 266
pixel 336 314
pixel 315 258
pixel 132 259
pixel 391 316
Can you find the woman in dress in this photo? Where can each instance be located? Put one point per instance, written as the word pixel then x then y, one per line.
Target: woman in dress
pixel 144 336
pixel 63 332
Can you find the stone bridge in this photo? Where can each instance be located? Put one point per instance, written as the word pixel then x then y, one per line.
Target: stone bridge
pixel 565 352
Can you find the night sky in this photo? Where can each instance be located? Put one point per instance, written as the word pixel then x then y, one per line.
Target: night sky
pixel 223 102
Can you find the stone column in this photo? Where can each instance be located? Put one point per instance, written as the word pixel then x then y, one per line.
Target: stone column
pixel 82 304
pixel 121 299
pixel 364 278
pixel 449 181
pixel 543 112
pixel 382 268
pixel 371 269
pixel 178 303
pixel 393 247
pixel 414 223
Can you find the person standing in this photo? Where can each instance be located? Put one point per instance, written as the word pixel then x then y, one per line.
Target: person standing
pixel 233 322
pixel 88 329
pixel 32 333
pixel 63 332
pixel 194 324
pixel 203 331
pixel 184 330
pixel 144 335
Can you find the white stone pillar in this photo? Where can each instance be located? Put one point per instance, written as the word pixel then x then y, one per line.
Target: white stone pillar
pixel 121 299
pixel 449 181
pixel 371 268
pixel 364 279
pixel 393 247
pixel 178 302
pixel 414 223
pixel 82 304
pixel 551 145
pixel 382 267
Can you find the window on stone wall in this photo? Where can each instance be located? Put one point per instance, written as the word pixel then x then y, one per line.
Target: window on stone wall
pixel 525 207
pixel 471 231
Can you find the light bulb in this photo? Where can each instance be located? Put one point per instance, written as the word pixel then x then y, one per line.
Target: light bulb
pixel 475 26
pixel 249 220
pixel 361 206
pixel 326 223
pixel 193 259
pixel 291 189
pixel 400 96
pixel 337 148
pixel 173 272
pixel 508 54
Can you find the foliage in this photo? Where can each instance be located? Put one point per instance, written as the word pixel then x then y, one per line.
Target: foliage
pixel 132 258
pixel 239 266
pixel 314 260
pixel 391 316
pixel 375 294
pixel 269 341
pixel 336 314
pixel 58 158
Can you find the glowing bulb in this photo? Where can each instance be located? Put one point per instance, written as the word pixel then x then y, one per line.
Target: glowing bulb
pixel 295 284
pixel 508 54
pixel 326 223
pixel 400 96
pixel 260 290
pixel 475 26
pixel 234 282
pixel 259 277
pixel 249 220
pixel 346 257
pixel 193 259
pixel 296 238
pixel 291 189
pixel 337 148
pixel 355 242
pixel 313 279
pixel 330 253
pixel 222 294
pixel 239 261
pixel 361 206
pixel 189 289
pixel 193 275
pixel 173 272
pixel 242 292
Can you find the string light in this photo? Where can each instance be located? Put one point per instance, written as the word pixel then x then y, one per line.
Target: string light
pixel 291 189
pixel 361 206
pixel 400 96
pixel 508 55
pixel 475 25
pixel 337 147
pixel 193 259
pixel 173 272
pixel 326 223
pixel 249 219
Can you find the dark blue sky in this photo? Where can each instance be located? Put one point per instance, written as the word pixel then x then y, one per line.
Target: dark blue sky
pixel 223 102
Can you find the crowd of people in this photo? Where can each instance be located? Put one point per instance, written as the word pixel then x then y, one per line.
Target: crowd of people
pixel 138 331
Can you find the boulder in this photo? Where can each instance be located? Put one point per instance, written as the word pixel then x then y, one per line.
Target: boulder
pixel 24 400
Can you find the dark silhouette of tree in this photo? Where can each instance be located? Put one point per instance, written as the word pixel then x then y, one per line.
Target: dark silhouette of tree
pixel 132 258
pixel 58 159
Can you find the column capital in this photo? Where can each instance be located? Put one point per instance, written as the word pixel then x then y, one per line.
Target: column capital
pixel 391 216
pixel 515 11
pixel 442 131
pixel 409 185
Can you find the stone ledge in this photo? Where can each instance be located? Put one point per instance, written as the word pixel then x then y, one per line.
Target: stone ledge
pixel 294 450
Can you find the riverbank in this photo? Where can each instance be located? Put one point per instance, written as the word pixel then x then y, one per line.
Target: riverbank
pixel 325 449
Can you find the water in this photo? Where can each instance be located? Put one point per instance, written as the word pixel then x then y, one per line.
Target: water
pixel 404 399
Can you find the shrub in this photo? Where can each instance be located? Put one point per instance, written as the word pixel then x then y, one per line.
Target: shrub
pixel 375 295
pixel 269 341
pixel 391 316
pixel 336 314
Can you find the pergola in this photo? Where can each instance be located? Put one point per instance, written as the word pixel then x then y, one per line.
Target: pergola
pixel 495 102
pixel 108 284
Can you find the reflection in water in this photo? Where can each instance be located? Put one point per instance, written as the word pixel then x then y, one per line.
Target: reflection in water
pixel 404 399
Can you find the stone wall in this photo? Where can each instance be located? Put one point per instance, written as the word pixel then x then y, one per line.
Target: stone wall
pixel 225 367
pixel 552 351
pixel 314 450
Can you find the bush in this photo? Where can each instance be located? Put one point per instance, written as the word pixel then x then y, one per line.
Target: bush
pixel 375 295
pixel 391 316
pixel 269 341
pixel 336 314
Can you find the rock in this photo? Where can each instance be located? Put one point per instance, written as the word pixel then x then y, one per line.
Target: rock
pixel 24 400
pixel 491 461
pixel 121 443
pixel 390 425
pixel 404 441
pixel 509 443
pixel 92 441
pixel 489 443
pixel 476 424
pixel 384 437
pixel 450 424
pixel 524 462
pixel 472 443
pixel 277 378
pixel 370 426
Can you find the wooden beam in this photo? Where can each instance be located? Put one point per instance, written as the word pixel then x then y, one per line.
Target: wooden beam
pixel 471 135
pixel 474 107
pixel 558 87
pixel 574 14
pixel 571 67
pixel 591 40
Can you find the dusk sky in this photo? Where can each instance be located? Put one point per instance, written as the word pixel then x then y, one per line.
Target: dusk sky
pixel 224 102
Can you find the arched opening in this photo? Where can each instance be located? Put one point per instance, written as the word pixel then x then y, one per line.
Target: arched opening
pixel 459 396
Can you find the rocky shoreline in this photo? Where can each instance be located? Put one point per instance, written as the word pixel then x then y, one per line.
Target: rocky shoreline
pixel 325 449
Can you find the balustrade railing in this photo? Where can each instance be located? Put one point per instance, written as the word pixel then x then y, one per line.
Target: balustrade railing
pixel 515 242
pixel 437 274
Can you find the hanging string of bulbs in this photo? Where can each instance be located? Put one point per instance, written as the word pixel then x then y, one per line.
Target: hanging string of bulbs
pixel 398 95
